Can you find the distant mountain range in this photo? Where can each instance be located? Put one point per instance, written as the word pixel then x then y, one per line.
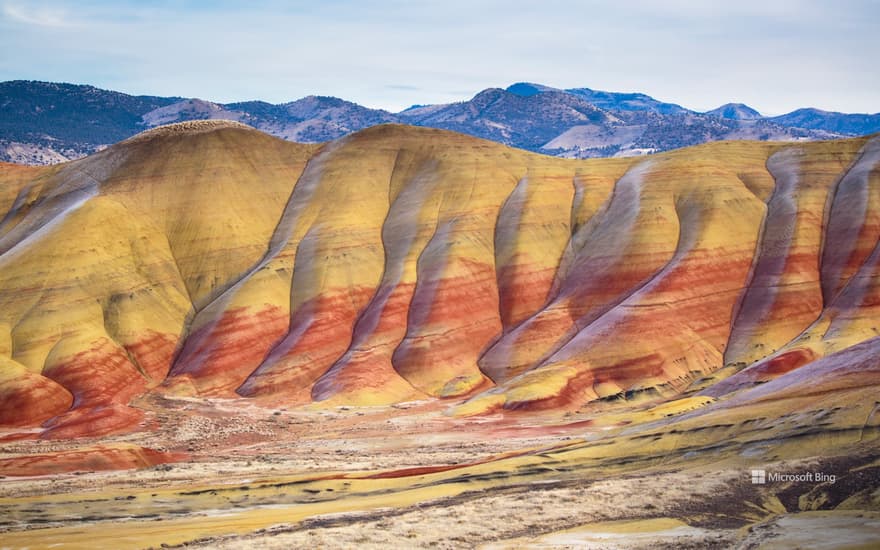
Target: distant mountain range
pixel 46 123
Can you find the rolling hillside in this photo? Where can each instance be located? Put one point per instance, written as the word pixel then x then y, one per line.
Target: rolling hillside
pixel 400 263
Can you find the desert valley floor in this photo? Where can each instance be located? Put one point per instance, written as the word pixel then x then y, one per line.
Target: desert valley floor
pixel 408 476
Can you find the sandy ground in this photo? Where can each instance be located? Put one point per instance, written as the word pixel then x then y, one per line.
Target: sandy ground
pixel 538 516
pixel 231 440
pixel 674 510
pixel 411 477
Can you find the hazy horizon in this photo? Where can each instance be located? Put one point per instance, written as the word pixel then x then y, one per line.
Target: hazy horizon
pixel 393 54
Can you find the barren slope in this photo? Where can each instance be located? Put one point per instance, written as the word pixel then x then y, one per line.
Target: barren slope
pixel 400 263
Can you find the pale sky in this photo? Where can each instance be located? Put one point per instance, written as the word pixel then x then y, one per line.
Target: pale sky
pixel 775 55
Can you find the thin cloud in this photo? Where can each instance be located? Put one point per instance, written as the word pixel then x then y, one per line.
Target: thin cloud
pixel 773 56
pixel 40 16
pixel 403 87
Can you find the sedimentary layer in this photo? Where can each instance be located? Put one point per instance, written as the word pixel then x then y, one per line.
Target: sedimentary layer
pixel 405 263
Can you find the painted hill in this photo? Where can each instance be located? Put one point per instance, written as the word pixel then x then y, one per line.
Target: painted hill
pixel 46 123
pixel 401 263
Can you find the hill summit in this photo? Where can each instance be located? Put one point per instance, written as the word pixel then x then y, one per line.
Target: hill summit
pixel 736 111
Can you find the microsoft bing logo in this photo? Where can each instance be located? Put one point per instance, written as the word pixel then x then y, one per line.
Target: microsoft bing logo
pixel 759 477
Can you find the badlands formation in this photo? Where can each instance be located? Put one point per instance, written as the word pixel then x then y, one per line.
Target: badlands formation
pixel 437 321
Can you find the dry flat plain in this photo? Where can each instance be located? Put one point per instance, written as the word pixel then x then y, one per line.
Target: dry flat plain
pixel 409 476
pixel 414 338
